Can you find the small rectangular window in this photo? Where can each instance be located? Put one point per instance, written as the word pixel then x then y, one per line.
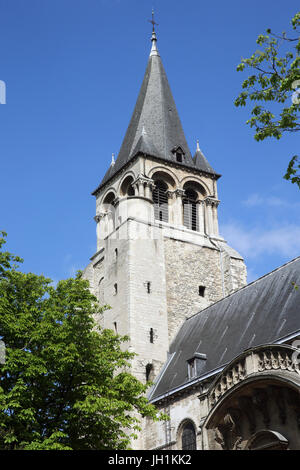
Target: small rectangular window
pixel 179 157
pixel 192 368
pixel 149 372
pixel 201 291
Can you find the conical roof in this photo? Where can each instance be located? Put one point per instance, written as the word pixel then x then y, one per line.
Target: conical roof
pixel 201 162
pixel 155 128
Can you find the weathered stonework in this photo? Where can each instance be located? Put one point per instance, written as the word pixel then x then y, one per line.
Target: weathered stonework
pixel 160 258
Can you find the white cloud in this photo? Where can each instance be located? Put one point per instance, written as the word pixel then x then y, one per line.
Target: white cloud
pixel 251 243
pixel 255 200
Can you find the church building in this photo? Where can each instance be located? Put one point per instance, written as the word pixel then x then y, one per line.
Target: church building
pixel 222 354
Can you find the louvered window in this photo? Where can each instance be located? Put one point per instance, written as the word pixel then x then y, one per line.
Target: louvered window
pixel 190 210
pixel 188 437
pixel 160 199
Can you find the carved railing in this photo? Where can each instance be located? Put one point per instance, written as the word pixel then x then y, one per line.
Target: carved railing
pixel 228 379
pixel 261 359
pixel 275 358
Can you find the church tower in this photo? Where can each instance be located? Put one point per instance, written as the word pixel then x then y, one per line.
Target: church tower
pixel 159 258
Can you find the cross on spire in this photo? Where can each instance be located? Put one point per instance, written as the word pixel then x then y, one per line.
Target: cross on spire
pixel 153 22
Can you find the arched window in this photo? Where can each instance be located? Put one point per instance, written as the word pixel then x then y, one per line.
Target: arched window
pixel 160 199
pixel 126 187
pixel 188 437
pixel 190 210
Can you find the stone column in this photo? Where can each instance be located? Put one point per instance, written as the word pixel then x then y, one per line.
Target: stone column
pixel 208 216
pixel 215 217
pixel 201 225
pixel 149 188
pixel 211 216
pixel 178 207
pixel 142 186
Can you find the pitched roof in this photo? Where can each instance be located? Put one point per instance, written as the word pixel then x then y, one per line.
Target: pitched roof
pixel 155 112
pixel 260 313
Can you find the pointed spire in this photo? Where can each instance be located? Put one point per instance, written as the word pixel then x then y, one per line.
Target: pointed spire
pixel 113 159
pixel 156 111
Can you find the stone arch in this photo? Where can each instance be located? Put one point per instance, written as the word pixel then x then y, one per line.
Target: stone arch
pixel 258 390
pixel 267 439
pixel 166 175
pixel 108 208
pixel 125 188
pixel 109 196
pixel 196 186
pixel 186 436
pixel 126 177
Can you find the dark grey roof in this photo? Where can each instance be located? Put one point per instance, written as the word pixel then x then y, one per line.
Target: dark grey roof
pixel 201 162
pixel 145 146
pixel 260 313
pixel 155 112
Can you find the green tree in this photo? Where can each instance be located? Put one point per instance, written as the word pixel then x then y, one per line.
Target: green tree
pixel 65 382
pixel 274 87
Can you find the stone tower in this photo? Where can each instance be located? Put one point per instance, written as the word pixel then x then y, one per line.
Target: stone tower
pixel 160 258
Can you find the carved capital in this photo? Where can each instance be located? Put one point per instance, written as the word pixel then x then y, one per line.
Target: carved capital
pixel 179 192
pixel 211 201
pixel 228 431
pixel 99 216
pixel 141 179
pixel 170 194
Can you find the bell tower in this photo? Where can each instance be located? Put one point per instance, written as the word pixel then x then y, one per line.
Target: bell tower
pixel 159 258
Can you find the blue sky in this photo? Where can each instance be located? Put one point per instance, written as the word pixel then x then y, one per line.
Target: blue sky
pixel 73 69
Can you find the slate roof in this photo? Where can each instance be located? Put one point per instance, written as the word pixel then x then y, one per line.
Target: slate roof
pixel 201 162
pixel 262 312
pixel 155 113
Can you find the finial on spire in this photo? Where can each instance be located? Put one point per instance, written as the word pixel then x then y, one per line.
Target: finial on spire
pixel 153 22
pixel 113 159
pixel 154 50
pixel 198 148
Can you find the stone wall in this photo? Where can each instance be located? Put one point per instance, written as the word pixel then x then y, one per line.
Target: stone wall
pixel 189 266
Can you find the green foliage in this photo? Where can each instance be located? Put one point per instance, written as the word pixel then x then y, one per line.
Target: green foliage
pixel 65 383
pixel 276 83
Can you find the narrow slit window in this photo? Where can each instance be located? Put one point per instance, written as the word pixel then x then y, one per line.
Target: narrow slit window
pixel 151 334
pixel 148 287
pixel 115 327
pixel 116 288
